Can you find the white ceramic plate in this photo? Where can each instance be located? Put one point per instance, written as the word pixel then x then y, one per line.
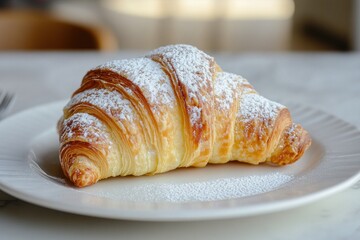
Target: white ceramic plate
pixel 29 170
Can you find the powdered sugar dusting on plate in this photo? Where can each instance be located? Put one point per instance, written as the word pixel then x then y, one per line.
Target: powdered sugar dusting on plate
pixel 147 75
pixel 211 190
pixel 112 102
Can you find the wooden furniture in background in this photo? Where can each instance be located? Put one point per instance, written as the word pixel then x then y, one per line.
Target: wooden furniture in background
pixel 35 30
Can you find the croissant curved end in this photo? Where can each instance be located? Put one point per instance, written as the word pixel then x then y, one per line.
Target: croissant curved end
pixel 295 141
pixel 83 172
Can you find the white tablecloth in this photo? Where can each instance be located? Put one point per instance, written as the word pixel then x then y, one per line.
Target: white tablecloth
pixel 330 82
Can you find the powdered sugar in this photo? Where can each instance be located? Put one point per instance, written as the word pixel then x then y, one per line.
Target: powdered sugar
pixel 292 132
pixel 90 127
pixel 254 106
pixel 193 69
pixel 226 87
pixel 147 75
pixel 112 102
pixel 210 190
pixel 195 113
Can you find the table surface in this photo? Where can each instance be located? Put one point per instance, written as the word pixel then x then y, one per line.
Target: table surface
pixel 330 82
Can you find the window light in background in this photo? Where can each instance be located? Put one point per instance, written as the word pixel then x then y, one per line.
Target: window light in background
pixel 204 9
pixel 225 25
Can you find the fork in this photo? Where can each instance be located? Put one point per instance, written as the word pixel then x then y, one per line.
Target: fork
pixel 6 99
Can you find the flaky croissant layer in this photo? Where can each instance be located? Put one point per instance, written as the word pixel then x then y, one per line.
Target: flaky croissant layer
pixel 173 108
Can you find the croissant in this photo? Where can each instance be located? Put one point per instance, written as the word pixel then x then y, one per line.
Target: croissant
pixel 173 108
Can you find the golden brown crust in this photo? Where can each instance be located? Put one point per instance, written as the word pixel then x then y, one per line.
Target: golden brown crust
pixel 193 93
pixel 293 143
pixel 154 114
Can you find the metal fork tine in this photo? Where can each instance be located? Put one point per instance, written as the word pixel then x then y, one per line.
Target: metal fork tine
pixel 5 102
pixel 9 98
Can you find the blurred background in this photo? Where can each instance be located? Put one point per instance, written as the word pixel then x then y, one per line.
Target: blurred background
pixel 211 25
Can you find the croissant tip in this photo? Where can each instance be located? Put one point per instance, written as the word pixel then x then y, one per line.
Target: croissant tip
pixel 82 173
pixel 290 153
pixel 83 177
